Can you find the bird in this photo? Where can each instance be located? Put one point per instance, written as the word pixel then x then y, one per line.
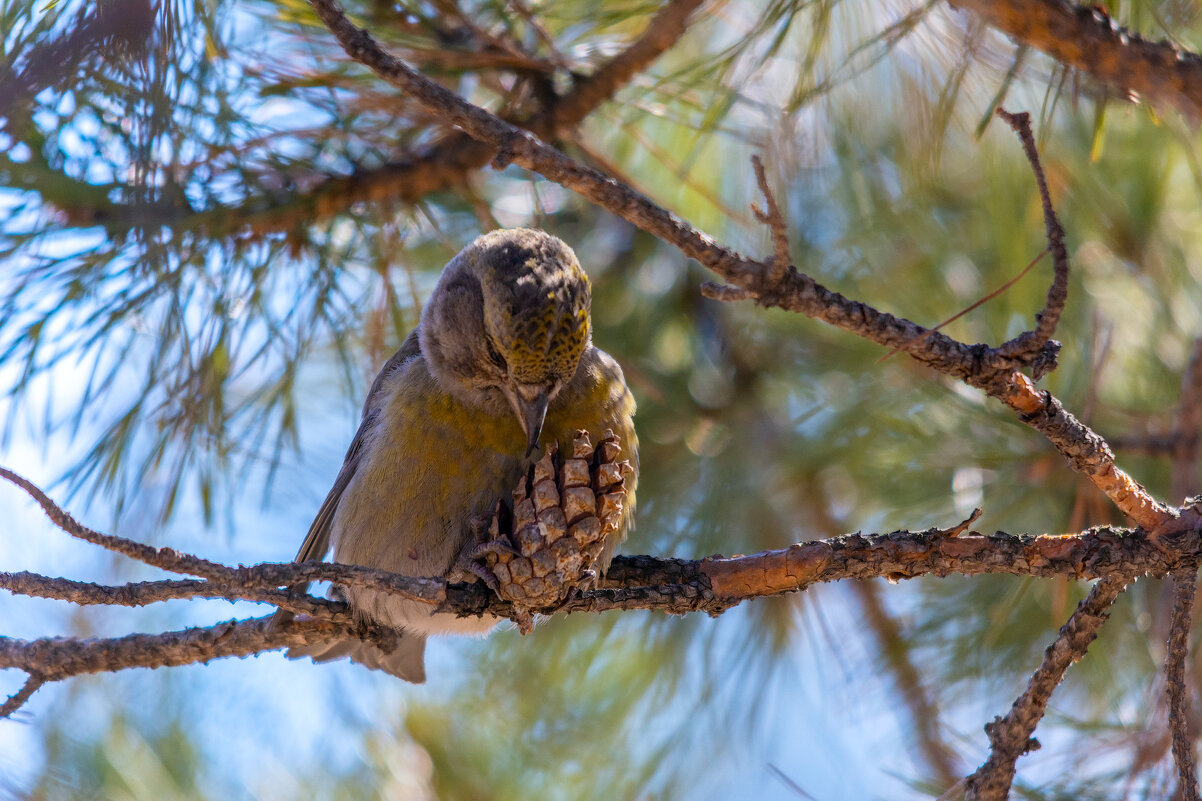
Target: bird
pixel 500 365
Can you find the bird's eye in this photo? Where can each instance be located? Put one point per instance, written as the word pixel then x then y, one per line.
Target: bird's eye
pixel 495 356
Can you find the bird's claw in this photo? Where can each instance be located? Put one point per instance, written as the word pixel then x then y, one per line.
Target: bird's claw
pixel 467 570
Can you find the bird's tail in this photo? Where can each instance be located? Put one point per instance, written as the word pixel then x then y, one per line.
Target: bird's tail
pixel 406 661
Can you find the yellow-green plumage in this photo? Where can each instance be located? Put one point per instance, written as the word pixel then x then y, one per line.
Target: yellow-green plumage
pixel 442 437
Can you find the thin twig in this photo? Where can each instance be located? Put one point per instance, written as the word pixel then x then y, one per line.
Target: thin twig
pixel 1185 581
pixel 256 583
pixel 1032 344
pixel 778 267
pixel 147 592
pixel 525 12
pixel 18 699
pixel 788 782
pixel 165 558
pixel 775 222
pixel 896 653
pixel 1010 737
pixel 970 308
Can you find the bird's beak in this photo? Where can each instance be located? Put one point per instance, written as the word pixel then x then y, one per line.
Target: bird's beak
pixel 530 404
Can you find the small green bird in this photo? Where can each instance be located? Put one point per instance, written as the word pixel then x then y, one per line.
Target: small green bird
pixel 501 361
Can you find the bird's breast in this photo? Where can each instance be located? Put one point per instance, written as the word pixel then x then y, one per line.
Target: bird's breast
pixel 430 465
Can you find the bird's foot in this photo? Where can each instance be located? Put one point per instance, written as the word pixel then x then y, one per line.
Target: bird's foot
pixel 486 539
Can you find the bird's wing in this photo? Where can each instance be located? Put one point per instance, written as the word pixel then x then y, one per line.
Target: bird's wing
pixel 317 541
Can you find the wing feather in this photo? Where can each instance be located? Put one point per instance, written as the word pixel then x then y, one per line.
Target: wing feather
pixel 317 540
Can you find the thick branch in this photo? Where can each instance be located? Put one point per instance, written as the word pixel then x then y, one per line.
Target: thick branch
pixel 677 586
pixel 1010 737
pixel 1086 38
pixel 796 292
pixel 716 583
pixel 1085 450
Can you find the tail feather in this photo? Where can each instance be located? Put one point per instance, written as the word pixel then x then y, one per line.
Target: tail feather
pixel 406 661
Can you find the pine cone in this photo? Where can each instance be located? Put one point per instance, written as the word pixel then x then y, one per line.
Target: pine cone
pixel 564 510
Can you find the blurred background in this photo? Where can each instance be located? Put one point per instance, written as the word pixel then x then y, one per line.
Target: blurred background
pixel 214 230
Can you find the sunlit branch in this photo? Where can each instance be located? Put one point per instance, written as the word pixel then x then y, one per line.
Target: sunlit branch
pixel 677 586
pixel 1085 37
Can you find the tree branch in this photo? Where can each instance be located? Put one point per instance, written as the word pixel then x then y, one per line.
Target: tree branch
pixel 676 586
pixel 165 558
pixel 445 163
pixel 1010 737
pixel 56 658
pixel 1086 38
pixel 1185 582
pixel 233 579
pixel 1032 343
pixel 18 699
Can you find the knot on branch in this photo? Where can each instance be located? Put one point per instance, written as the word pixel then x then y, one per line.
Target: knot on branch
pixel 1180 534
pixel 767 282
pixel 999 731
pixel 772 289
pixel 510 145
pixel 1045 360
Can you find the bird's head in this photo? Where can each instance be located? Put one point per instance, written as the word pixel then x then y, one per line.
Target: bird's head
pixel 509 320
